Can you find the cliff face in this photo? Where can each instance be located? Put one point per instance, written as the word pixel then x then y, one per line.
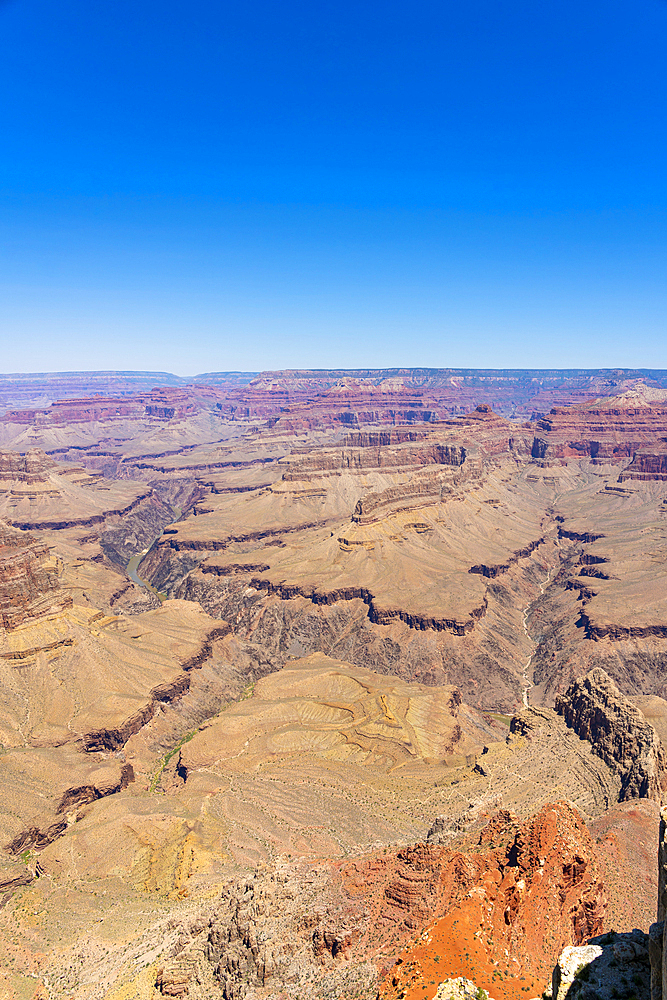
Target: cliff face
pixel 609 431
pixel 604 966
pixel 543 885
pixel 164 404
pixel 646 464
pixel 33 467
pixel 597 711
pixel 389 457
pixel 452 389
pixel 439 551
pixel 28 579
pixel 305 399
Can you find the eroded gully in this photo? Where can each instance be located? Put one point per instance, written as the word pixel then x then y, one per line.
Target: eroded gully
pixel 526 679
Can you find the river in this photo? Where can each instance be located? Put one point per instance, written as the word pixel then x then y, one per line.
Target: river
pixel 133 564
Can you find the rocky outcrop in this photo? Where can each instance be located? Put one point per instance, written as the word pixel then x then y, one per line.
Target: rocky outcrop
pixel 597 711
pixel 451 444
pixel 107 779
pixel 11 880
pixel 614 632
pixel 80 522
pixel 373 456
pixel 302 399
pixel 376 614
pixel 604 967
pixel 122 537
pixel 579 536
pixel 421 491
pixel 250 394
pixel 317 926
pixel 460 989
pixel 218 544
pixel 492 571
pixel 114 739
pixel 99 775
pixel 615 965
pixel 657 932
pixel 550 891
pixel 608 431
pixel 646 465
pixel 164 404
pixel 28 579
pixel 33 467
pixel 662 866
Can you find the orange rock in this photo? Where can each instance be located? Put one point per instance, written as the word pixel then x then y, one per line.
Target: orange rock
pixel 502 915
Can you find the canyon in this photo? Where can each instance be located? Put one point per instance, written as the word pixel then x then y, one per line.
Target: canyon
pixel 328 684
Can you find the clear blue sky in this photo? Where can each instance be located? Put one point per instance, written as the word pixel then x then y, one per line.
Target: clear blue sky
pixel 214 185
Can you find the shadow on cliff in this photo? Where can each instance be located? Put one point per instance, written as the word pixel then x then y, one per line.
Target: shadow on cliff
pixel 612 966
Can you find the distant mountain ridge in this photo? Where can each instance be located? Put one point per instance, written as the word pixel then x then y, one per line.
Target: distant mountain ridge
pixel 37 390
pixel 519 393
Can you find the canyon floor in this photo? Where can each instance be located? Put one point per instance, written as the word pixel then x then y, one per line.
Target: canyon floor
pixel 313 691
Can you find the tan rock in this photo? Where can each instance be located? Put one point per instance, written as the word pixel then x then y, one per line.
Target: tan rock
pixel 597 711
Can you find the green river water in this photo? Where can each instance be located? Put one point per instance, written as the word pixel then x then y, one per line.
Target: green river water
pixel 133 565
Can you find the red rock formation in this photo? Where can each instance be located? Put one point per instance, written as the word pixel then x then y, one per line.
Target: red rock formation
pixel 459 443
pixel 308 399
pixel 499 912
pixel 299 400
pixel 28 588
pixel 165 404
pixel 625 838
pixel 33 467
pixel 504 914
pixel 646 465
pixel 609 431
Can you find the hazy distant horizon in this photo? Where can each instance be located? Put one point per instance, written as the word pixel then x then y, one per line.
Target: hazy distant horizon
pixel 362 372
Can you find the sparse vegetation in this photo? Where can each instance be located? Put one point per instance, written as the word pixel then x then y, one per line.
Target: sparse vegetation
pixel 583 973
pixel 155 780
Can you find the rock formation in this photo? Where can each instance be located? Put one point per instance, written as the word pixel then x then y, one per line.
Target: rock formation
pixel 164 403
pixel 517 898
pixel 32 467
pixel 607 967
pixel 596 710
pixel 606 431
pixel 613 964
pixel 657 932
pixel 28 579
pixel 646 464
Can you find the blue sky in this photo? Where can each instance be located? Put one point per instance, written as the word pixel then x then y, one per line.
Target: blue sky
pixel 219 186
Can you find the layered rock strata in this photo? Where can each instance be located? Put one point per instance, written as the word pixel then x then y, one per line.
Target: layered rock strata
pixel 441 551
pixel 37 494
pixel 32 467
pixel 609 431
pixel 29 584
pixel 596 710
pixel 646 465
pixel 325 930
